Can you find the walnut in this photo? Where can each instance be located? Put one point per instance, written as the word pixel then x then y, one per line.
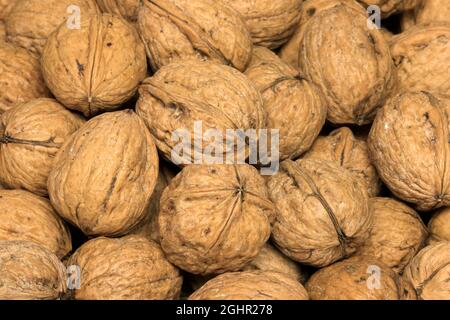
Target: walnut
pixel 439 226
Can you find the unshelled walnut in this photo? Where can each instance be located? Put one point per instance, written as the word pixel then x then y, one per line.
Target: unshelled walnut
pixel 104 175
pixel 322 212
pixel 439 226
pixel 127 9
pixel 294 106
pixel 202 29
pixel 96 68
pixel 388 7
pixel 29 272
pixel 251 285
pixel 30 136
pixel 215 218
pixel 408 144
pixel 131 267
pixel 426 11
pixel 5 7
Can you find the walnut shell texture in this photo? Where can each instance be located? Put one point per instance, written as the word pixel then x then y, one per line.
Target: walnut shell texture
pixel 408 144
pixel 127 9
pixel 29 272
pixel 389 7
pixel 427 11
pixel 271 23
pixel 202 29
pixel 251 285
pixel 6 7
pixel 130 267
pixel 104 175
pixel 215 218
pixel 96 68
pixel 322 213
pixel 439 226
pixel 30 136
pixel 429 272
pixel 2 32
pixel 294 106
pixel 20 77
pixel 358 278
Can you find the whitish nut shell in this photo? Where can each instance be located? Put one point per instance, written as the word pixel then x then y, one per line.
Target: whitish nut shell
pixel 271 23
pixel 96 68
pixel 127 9
pixel 29 271
pixel 5 7
pixel 293 105
pixel 127 268
pixel 408 144
pixel 31 22
pixel 439 226
pixel 426 11
pixel 429 272
pixel 215 218
pixel 349 152
pixel 30 136
pixel 104 175
pixel 322 212
pixel 422 58
pixel 251 285
pixel 20 77
pixel 397 234
pixel 388 7
pixel 202 29
pixel 189 93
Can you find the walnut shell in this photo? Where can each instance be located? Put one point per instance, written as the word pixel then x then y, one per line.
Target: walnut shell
pixel 422 58
pixel 348 61
pixel 2 32
pixel 104 175
pixel 20 77
pixel 344 149
pixel 215 218
pixel 408 144
pixel 30 271
pixel 127 9
pixel 429 272
pixel 322 215
pixel 294 106
pixel 389 7
pixel 96 68
pixel 30 136
pixel 31 22
pixel 183 93
pixel 397 234
pixel 271 23
pixel 358 278
pixel 251 285
pixel 131 268
pixel 426 11
pixel 6 7
pixel 439 226
pixel 202 29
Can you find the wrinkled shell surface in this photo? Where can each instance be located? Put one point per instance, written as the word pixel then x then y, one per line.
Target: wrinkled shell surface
pixel 429 272
pixel 2 31
pixel 131 267
pixel 357 278
pixel 439 226
pixel 184 29
pixel 215 218
pixel 427 11
pixel 29 271
pixel 251 285
pixel 20 77
pixel 96 68
pixel 5 7
pixel 322 213
pixel 30 136
pixel 397 234
pixel 271 23
pixel 294 106
pixel 104 175
pixel 389 7
pixel 349 152
pixel 31 22
pixel 422 58
pixel 127 9
pixel 348 61
pixel 408 144
pixel 183 93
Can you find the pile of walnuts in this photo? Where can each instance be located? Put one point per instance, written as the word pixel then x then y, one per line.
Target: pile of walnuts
pixel 328 172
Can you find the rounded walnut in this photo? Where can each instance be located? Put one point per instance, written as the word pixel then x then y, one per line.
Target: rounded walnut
pixel 127 268
pixel 96 68
pixel 202 29
pixel 215 218
pixel 6 7
pixel 388 7
pixel 30 136
pixel 251 285
pixel 293 105
pixel 439 226
pixel 127 9
pixel 104 175
pixel 29 271
pixel 408 144
pixel 322 213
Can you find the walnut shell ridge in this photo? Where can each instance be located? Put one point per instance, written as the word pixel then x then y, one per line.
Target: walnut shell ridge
pixel 439 226
pixel 127 9
pixel 5 7
pixel 104 175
